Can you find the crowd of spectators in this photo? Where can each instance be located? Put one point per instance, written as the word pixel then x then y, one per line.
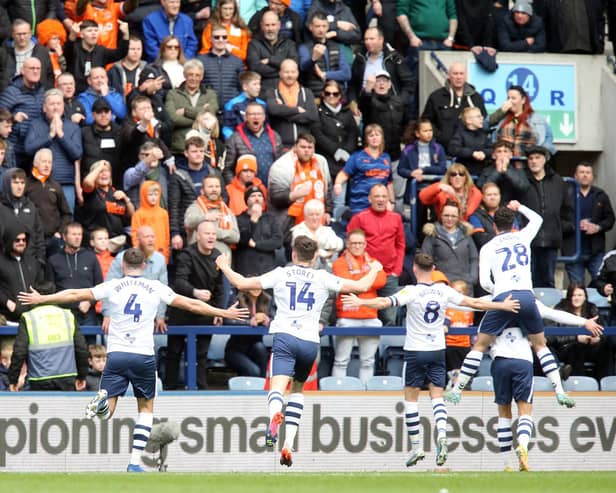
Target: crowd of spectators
pixel 190 129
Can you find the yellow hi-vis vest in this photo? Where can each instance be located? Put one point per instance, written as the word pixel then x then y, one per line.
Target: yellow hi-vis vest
pixel 51 351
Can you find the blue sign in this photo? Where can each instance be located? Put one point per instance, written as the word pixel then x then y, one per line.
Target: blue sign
pixel 551 89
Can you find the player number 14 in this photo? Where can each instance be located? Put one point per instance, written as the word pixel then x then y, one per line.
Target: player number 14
pixel 304 296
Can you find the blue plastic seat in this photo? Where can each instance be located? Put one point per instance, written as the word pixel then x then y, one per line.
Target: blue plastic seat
pixel 580 384
pixel 246 383
pixel 384 383
pixel 482 384
pixel 341 383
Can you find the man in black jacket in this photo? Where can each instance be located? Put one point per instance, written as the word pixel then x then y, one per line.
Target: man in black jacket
pixel 268 49
pixel 547 196
pixel 260 236
pixel 444 105
pixel 19 270
pixel 596 218
pixel 197 277
pixel 402 79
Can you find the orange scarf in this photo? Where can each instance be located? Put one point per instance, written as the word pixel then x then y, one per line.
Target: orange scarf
pixel 311 171
pixel 289 95
pixel 36 174
pixel 225 215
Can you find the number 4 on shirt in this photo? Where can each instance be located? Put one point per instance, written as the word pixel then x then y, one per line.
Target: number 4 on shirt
pixel 132 308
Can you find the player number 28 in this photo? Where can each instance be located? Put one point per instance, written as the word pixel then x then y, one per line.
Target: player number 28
pixel 513 256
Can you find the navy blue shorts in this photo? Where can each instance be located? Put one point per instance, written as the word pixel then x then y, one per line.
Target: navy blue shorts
pixel 122 368
pixel 528 319
pixel 292 356
pixel 513 380
pixel 423 367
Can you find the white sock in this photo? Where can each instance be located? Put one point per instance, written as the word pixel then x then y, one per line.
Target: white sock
pixel 411 411
pixel 470 366
pixel 439 411
pixel 292 417
pixel 525 430
pixel 275 402
pixel 141 435
pixel 550 369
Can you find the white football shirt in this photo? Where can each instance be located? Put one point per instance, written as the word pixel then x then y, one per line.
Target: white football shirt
pixel 299 294
pixel 425 314
pixel 504 261
pixel 133 304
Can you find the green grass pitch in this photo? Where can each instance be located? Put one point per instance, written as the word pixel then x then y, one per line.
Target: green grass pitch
pixel 531 482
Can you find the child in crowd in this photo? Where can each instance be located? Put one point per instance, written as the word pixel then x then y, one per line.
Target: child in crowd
pixel 6 128
pixel 97 359
pixel 6 351
pixel 457 345
pixel 422 156
pixel 235 108
pixel 150 213
pixel 470 143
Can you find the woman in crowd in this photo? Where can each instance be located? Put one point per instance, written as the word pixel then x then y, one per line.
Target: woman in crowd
pixel 171 60
pixel 227 14
pixel 450 244
pixel 517 123
pixel 457 186
pixel 364 169
pixel 576 350
pixel 336 131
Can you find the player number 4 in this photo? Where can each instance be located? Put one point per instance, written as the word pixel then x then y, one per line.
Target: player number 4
pixel 132 308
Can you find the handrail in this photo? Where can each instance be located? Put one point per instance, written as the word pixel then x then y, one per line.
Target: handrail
pixel 192 331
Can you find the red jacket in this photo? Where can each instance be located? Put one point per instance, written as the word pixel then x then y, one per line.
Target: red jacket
pixel 384 235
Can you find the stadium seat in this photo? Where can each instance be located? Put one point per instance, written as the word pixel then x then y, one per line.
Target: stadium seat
pixel 341 383
pixel 482 384
pixel 392 354
pixel 246 383
pixel 542 384
pixel 485 366
pixel 384 383
pixel 608 383
pixel 603 304
pixel 580 384
pixel 216 351
pixel 548 296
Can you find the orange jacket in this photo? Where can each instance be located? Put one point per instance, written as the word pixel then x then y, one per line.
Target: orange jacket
pixel 154 216
pixel 236 37
pixel 459 318
pixel 236 191
pixel 350 267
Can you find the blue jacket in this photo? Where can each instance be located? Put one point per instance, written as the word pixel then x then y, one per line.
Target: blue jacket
pixel 156 27
pixel 65 150
pixel 409 162
pixel 15 98
pixel 221 74
pixel 114 98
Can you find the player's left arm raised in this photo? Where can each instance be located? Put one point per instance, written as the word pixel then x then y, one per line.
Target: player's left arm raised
pixel 378 303
pixel 202 308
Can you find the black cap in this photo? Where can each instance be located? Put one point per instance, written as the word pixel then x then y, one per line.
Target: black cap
pixel 100 104
pixel 250 190
pixel 538 150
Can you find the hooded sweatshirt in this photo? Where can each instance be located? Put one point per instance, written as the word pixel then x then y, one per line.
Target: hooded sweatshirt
pixel 21 211
pixel 17 273
pixel 154 216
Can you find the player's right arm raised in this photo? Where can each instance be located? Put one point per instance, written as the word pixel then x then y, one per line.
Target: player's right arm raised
pixel 33 297
pixel 365 283
pixel 238 280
